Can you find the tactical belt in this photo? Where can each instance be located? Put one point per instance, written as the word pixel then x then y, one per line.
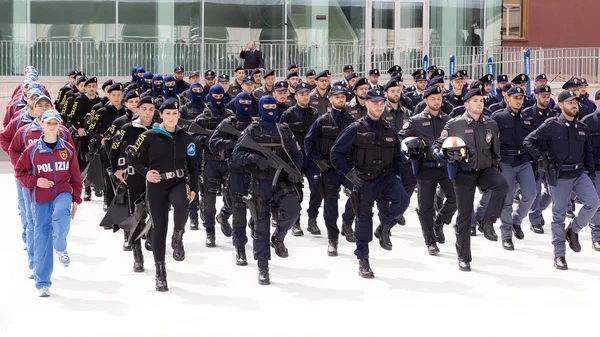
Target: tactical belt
pixel 570 167
pixel 513 152
pixel 370 176
pixel 210 156
pixel 431 164
pixel 470 169
pixel 170 175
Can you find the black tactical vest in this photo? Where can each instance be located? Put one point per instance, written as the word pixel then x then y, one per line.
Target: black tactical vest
pixel 271 142
pixel 330 132
pixel 373 157
pixel 300 129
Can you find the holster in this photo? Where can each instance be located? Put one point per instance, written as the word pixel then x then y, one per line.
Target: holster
pixel 552 175
pixel 355 201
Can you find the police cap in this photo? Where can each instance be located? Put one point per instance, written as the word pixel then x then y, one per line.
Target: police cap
pixel 394 69
pixel 502 78
pixel 292 74
pixel 280 86
pixel 268 73
pixel 310 72
pixel 131 94
pixel 375 95
pixel 542 89
pixel 521 78
pixel 337 89
pixel 567 95
pixel 433 90
pixel 487 78
pixel 302 87
pixel 115 87
pixel 324 73
pixel 209 74
pixel 359 82
pixel 170 104
pixel 515 91
pixel 472 93
pixel 107 83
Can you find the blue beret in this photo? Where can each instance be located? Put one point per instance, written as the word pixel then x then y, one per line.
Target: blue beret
pixel 472 93
pixel 240 67
pixel 292 74
pixel 91 80
pixel 359 82
pixel 351 76
pixel 115 87
pixel 375 95
pixel 131 94
pixel 521 78
pixel 433 90
pixel 310 72
pixel 107 83
pixel 268 73
pixel 324 73
pixel 292 66
pixel 392 83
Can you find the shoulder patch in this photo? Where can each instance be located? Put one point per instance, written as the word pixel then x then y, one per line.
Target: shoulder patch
pixel 191 149
pixel 444 134
pixel 405 125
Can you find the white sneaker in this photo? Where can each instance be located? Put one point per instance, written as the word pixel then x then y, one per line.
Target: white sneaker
pixel 44 292
pixel 30 276
pixel 63 258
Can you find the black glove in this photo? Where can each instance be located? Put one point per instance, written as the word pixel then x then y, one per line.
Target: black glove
pixel 262 163
pixel 323 165
pixel 355 179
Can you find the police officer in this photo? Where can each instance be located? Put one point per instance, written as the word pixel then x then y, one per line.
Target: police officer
pixel 300 118
pixel 374 79
pixel 318 144
pixel 356 107
pixel 180 84
pixel 247 87
pixel 574 84
pixel 503 103
pixel 569 153
pixel 368 154
pixel 292 68
pixel 542 79
pixel 426 126
pixel 319 97
pixel 416 91
pixel 521 81
pixel 455 97
pixel 280 92
pixel 347 70
pixel 156 88
pixel 171 171
pixel 592 121
pixel 438 81
pixel 100 122
pixel 584 96
pixel 135 181
pixel 501 81
pixel 292 80
pixel 214 169
pixel 489 98
pixel 267 88
pixel 350 83
pixel 480 134
pixel 264 190
pixel 239 179
pixel 196 105
pixel 515 164
pixel 223 80
pixel 209 81
pixel 310 75
pixel 67 87
pixel 540 112
pixel 194 77
pixel 256 75
pixel 236 87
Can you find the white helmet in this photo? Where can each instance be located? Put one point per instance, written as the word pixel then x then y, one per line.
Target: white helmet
pixel 455 149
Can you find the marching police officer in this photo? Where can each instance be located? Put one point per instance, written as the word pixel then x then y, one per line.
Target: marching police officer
pixel 437 80
pixel 135 181
pixel 263 189
pixel 171 171
pixel 521 81
pixel 356 106
pixel 319 97
pixel 569 154
pixel 318 144
pixel 426 126
pixel 592 121
pixel 488 97
pixel 415 93
pixel 368 153
pixel 196 105
pixel 300 118
pixel 480 134
pixel 455 97
pixel 214 169
pixel 180 84
pixel 515 164
pixel 236 87
pixel 540 112
pixel 267 88
pixel 239 178
pixel 292 79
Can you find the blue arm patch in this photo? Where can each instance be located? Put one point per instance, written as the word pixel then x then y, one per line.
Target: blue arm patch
pixel 191 150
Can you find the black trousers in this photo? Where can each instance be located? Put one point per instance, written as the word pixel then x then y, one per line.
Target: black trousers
pixel 428 180
pixel 465 185
pixel 109 192
pixel 158 197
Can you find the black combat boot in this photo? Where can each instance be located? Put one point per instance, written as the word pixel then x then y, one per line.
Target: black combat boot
pixel 383 234
pixel 138 258
pixel 364 269
pixel 161 277
pixel 348 232
pixel 560 263
pixel 177 245
pixel 87 194
pixel 518 232
pixel 508 244
pixel 433 249
pixel 279 246
pixel 210 239
pixel 126 242
pixel 537 229
pixel 296 229
pixel 312 227
pixel 487 228
pixel 332 249
pixel 194 222
pixel 263 276
pixel 573 239
pixel 225 226
pixel 240 256
pixel 438 231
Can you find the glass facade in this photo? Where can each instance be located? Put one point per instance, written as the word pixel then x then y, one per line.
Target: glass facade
pixel 108 37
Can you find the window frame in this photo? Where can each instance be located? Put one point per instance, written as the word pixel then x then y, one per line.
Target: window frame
pixel 524 24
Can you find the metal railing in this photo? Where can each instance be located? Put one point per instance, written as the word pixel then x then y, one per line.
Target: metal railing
pixel 107 58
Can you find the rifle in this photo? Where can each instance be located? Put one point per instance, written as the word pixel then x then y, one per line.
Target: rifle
pixel 192 127
pixel 229 129
pixel 273 160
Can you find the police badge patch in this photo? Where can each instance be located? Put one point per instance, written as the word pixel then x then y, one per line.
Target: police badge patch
pixel 488 136
pixel 444 134
pixel 63 154
pixel 191 150
pixel 405 125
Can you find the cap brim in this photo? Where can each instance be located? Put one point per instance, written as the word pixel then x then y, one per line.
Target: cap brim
pixel 517 94
pixel 43 98
pixel 570 98
pixel 49 118
pixel 281 89
pixel 376 99
pixel 209 77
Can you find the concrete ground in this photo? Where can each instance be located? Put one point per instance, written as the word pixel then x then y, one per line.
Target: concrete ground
pixel 413 294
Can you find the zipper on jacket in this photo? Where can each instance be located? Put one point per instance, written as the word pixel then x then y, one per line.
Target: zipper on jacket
pixel 54 172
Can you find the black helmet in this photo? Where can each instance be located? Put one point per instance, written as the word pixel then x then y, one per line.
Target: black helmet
pixel 414 148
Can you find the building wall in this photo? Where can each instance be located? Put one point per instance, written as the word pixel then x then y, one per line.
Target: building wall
pixel 560 24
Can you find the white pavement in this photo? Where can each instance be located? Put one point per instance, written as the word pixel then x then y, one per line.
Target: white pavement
pixel 508 293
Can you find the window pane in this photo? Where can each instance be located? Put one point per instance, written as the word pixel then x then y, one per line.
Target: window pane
pixel 512 18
